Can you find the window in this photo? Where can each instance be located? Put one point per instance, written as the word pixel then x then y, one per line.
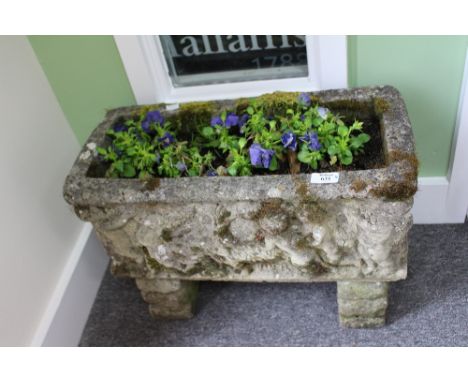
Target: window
pixel 204 60
pixel 203 67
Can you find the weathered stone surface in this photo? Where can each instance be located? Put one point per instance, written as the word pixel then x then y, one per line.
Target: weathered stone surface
pixel 261 228
pixel 174 299
pixel 348 239
pixel 362 304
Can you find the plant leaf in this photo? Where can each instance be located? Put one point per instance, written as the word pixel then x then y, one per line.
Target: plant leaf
pixel 342 130
pixel 242 142
pixel 207 131
pixel 273 164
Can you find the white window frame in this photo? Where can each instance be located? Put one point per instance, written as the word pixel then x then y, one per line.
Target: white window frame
pixel 147 71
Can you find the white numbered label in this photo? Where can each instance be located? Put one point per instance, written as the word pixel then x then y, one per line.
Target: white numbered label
pixel 325 177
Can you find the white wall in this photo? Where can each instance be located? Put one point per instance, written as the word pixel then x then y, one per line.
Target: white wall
pixel 37 229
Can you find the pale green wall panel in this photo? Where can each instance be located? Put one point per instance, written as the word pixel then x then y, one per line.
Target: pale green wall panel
pixel 87 76
pixel 428 71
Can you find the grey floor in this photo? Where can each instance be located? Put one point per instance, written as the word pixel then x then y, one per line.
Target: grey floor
pixel 430 308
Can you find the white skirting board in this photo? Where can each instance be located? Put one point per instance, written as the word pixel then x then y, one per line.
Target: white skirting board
pixel 65 317
pixel 430 202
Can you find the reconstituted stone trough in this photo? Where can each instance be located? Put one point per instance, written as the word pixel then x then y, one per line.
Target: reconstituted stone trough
pixel 168 234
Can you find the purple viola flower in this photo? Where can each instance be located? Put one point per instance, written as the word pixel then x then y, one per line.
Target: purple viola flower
pixel 304 99
pixel 155 116
pixel 255 152
pixel 216 121
pixel 323 112
pixel 289 141
pixel 231 120
pixel 211 172
pixel 145 125
pixel 302 117
pixel 312 141
pixel 151 117
pixel 259 156
pixel 166 139
pixel 243 120
pixel 119 127
pixel 181 166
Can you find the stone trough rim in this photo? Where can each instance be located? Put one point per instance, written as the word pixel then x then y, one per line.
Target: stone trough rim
pixel 79 189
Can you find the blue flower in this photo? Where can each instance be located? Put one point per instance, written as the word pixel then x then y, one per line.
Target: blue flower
pixel 120 126
pixel 312 141
pixel 302 117
pixel 323 112
pixel 155 116
pixel 151 117
pixel 181 166
pixel 289 141
pixel 304 99
pixel 166 139
pixel 231 120
pixel 211 172
pixel 145 125
pixel 259 156
pixel 242 122
pixel 216 121
pixel 243 119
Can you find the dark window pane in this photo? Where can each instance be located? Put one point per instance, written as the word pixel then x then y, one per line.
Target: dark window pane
pixel 209 59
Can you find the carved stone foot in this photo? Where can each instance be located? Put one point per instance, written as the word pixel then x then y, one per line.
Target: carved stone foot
pixel 170 299
pixel 362 304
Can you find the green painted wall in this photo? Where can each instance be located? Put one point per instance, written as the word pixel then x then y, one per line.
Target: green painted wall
pixel 428 71
pixel 87 76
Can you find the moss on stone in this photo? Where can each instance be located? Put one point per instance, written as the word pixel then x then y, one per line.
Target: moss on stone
pixel 400 190
pixel 208 267
pixel 381 105
pixel 349 105
pixel 410 158
pixel 146 108
pixel 245 265
pixel 315 268
pixel 150 262
pixel 225 214
pixel 392 190
pixel 278 102
pixel 224 233
pixel 309 203
pixel 273 103
pixel 166 235
pixel 151 184
pixel 358 185
pixel 268 207
pixel 193 114
pixel 302 243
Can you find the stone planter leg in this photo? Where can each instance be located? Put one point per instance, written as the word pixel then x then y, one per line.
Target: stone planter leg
pixel 362 304
pixel 170 299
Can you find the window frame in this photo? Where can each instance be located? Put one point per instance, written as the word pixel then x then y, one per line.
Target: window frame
pixel 146 68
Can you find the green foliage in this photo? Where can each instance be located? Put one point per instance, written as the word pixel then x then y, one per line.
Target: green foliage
pixel 146 145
